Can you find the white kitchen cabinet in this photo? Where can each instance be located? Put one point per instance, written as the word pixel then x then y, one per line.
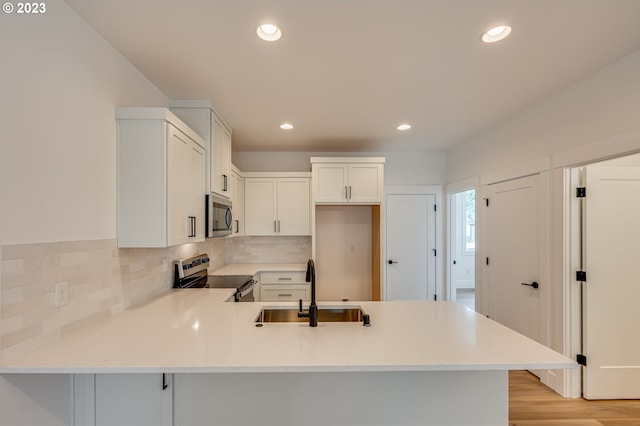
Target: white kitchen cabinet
pixel 133 399
pixel 237 199
pixel 277 205
pixel 160 179
pixel 209 124
pixel 284 286
pixel 284 293
pixel 220 157
pixel 347 180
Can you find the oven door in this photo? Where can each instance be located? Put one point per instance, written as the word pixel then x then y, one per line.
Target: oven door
pixel 219 217
pixel 245 292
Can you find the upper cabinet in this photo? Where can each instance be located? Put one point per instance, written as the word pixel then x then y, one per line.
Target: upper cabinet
pixel 237 199
pixel 160 179
pixel 202 118
pixel 277 205
pixel 358 180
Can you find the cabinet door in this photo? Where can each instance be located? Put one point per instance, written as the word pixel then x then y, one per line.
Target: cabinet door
pixel 260 208
pixel 284 293
pixel 220 157
pixel 365 183
pixel 288 277
pixel 294 201
pixel 237 198
pixel 225 161
pixel 178 222
pixel 330 181
pixel 196 192
pixel 133 399
pixel 215 172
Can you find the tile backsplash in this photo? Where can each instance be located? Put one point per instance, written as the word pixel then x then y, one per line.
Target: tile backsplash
pixel 103 280
pixel 268 249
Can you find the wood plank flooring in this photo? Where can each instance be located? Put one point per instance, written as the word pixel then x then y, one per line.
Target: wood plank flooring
pixel 533 404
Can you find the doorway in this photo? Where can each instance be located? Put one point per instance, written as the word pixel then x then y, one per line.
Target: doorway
pixel 462 221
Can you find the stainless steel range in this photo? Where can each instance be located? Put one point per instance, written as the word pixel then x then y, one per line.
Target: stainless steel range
pixel 192 272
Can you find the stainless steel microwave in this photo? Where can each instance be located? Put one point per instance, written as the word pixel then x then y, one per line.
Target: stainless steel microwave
pixel 219 216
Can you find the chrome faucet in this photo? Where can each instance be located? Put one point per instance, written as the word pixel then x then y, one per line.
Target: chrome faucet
pixel 312 314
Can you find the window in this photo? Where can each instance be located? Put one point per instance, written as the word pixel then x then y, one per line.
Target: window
pixel 469 208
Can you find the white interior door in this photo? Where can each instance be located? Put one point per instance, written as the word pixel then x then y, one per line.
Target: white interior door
pixel 513 240
pixel 410 246
pixel 612 291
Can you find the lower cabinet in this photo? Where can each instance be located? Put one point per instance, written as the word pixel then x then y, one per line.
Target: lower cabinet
pixel 283 293
pixel 124 399
pixel 283 286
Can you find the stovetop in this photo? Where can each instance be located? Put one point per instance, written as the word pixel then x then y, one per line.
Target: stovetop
pixel 227 281
pixel 192 272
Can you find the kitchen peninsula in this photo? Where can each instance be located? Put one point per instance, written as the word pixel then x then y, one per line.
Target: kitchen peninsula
pixel 419 363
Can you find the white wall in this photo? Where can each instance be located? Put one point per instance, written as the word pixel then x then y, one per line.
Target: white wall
pixel 343 252
pixel 61 82
pixel 605 104
pixel 593 119
pixel 401 168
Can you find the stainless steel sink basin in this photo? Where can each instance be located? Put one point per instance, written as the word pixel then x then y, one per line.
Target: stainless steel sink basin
pixel 325 314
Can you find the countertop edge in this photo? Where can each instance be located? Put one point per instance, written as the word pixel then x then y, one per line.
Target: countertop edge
pixel 287 369
pixel 254 268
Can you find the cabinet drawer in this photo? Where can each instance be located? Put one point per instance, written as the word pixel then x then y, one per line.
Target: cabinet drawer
pixel 283 294
pixel 282 277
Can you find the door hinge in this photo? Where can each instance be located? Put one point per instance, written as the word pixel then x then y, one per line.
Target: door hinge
pixel 486 202
pixel 581 359
pixel 435 208
pixel 435 297
pixel 435 252
pixel 487 260
pixel 581 192
pixel 581 276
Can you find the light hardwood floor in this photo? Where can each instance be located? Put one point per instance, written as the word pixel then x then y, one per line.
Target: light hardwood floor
pixel 533 404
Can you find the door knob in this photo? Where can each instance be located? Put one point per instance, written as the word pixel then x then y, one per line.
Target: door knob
pixel 533 284
pixel 391 262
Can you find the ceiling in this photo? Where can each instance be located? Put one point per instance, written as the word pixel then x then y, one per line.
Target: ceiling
pixel 347 72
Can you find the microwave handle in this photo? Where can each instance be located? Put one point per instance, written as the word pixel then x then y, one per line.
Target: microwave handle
pixel 228 218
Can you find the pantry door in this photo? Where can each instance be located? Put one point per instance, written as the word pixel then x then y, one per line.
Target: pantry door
pixel 611 314
pixel 513 238
pixel 410 247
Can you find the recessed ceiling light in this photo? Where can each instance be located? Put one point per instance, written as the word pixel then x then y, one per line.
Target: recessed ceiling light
pixel 496 34
pixel 286 126
pixel 269 32
pixel 404 127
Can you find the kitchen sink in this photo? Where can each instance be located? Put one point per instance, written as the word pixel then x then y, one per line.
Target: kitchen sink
pixel 325 314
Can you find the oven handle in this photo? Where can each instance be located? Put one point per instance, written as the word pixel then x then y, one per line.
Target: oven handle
pixel 245 289
pixel 228 218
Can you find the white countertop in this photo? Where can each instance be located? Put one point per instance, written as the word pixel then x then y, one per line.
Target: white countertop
pixel 254 268
pixel 191 330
